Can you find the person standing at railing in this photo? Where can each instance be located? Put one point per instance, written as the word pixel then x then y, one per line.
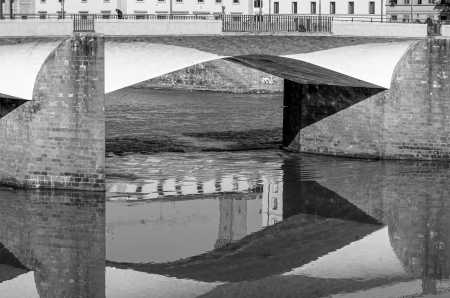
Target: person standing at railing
pixel 119 14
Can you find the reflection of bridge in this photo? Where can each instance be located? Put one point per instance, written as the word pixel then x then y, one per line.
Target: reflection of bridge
pixel 338 219
pixel 59 236
pixel 61 130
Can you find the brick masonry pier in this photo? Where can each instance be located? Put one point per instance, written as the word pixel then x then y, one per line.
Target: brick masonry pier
pixel 57 139
pixel 411 120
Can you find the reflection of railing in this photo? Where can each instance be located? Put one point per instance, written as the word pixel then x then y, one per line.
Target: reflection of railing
pixel 277 23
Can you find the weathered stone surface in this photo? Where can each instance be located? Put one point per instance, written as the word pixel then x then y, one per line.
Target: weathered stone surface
pixel 263 44
pixel 57 140
pixel 409 121
pixel 8 104
pixel 60 235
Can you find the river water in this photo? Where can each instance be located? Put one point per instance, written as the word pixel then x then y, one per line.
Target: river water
pixel 200 218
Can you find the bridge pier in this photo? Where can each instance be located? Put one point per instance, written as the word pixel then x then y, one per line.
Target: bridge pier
pixel 57 139
pixel 306 104
pixel 410 120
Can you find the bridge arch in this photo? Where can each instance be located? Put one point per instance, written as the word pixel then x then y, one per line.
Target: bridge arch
pixel 333 117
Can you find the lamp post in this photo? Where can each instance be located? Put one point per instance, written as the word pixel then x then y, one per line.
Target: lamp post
pixel 62 9
pixel 11 11
pixel 1 9
pixel 411 3
pixel 381 10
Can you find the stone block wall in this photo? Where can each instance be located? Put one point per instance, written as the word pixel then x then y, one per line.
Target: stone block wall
pixel 57 140
pixel 411 120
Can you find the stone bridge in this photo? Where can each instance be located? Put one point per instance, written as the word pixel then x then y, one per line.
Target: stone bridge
pixel 361 97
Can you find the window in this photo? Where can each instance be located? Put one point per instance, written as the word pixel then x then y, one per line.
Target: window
pixel 42 14
pixel 218 1
pixel 371 7
pixel 179 1
pixel 43 1
pixel 294 7
pixel 107 1
pixel 275 204
pixel 332 7
pixel 235 1
pixel 83 14
pixel 351 7
pixel 106 14
pixel 394 18
pixel 257 3
pixel 140 14
pixel 419 2
pixel 83 1
pixel 313 8
pixel 276 7
pixel 200 1
pixel 406 1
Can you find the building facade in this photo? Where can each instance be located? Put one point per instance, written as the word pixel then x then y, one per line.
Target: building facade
pixel 18 6
pixel 411 10
pixel 339 8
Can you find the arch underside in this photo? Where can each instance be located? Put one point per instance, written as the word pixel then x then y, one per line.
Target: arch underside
pixel 317 84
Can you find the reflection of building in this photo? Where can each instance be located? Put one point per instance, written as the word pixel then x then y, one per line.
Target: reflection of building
pixel 233 221
pixel 272 204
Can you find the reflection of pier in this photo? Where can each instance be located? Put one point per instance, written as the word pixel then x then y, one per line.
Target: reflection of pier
pixel 59 236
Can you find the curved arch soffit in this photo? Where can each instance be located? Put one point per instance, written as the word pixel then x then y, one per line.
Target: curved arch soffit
pixel 366 65
pixel 20 65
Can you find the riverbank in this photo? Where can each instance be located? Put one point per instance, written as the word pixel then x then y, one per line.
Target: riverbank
pixel 218 76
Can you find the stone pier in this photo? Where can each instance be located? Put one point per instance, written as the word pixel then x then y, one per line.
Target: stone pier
pixel 57 139
pixel 410 120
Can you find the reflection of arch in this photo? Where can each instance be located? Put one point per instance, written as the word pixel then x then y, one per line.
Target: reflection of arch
pixel 311 214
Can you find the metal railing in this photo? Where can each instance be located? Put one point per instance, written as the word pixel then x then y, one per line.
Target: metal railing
pixel 277 23
pixel 83 23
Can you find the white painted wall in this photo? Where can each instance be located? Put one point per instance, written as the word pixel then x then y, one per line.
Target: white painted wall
pixel 379 29
pixel 145 6
pixel 36 27
pixel 76 6
pixel 445 30
pixel 158 27
pixel 304 7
